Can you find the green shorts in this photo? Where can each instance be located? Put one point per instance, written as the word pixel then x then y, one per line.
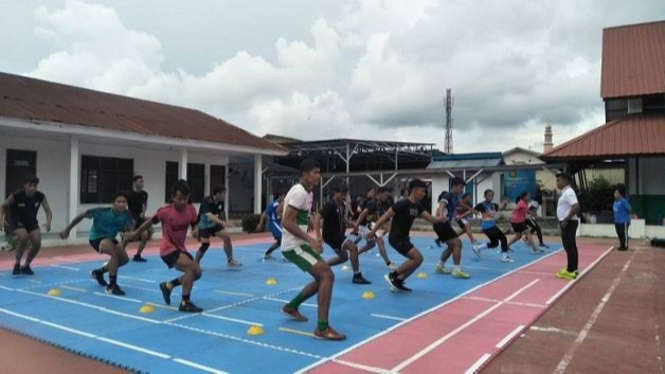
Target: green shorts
pixel 303 256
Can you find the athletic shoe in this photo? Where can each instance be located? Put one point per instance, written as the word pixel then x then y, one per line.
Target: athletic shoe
pixel 536 251
pixel 115 290
pixel 622 249
pixel 25 270
pixel 358 279
pixel 391 279
pixel 544 246
pixel 166 293
pixel 565 274
pixel 99 277
pixel 189 307
pixel 138 258
pixel 442 269
pixel 293 313
pixel 400 286
pixel 437 242
pixel 460 274
pixel 577 272
pixel 475 250
pixel 234 264
pixel 17 269
pixel 328 334
pixel 391 266
pixel 267 257
pixel 506 259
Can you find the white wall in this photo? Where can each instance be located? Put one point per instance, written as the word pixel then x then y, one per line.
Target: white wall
pixel 440 182
pixel 637 230
pixel 52 171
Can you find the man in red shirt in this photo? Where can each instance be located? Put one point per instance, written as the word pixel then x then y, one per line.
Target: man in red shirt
pixel 176 219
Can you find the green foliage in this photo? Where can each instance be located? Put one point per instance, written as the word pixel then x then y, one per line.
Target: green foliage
pixel 599 197
pixel 250 222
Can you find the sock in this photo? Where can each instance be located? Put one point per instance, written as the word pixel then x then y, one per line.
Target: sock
pixel 299 299
pixel 173 284
pixel 322 325
pixel 112 280
pixel 482 246
pixel 356 273
pixel 104 269
pixel 442 264
pixel 185 299
pixel 457 268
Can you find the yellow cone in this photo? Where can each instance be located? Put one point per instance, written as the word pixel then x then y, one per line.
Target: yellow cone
pixel 54 292
pixel 368 295
pixel 422 275
pixel 345 268
pixel 255 330
pixel 271 281
pixel 147 309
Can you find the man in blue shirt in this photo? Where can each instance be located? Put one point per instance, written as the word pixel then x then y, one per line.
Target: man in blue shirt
pixel 622 211
pixel 273 215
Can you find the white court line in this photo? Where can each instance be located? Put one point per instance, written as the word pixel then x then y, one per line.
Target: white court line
pixel 428 311
pixel 137 279
pixel 530 305
pixel 508 337
pixel 478 364
pixel 233 293
pixel 65 267
pixel 565 361
pixel 579 276
pixel 232 319
pixel 475 319
pixel 133 347
pixel 388 317
pixel 370 369
pixel 7 288
pixel 118 297
pixel 287 301
pixel 63 328
pixel 198 366
pixel 73 288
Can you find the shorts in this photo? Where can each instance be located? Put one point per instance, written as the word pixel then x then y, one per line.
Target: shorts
pixel 276 231
pixel 402 245
pixel 364 230
pixel 28 226
pixel 462 223
pixel 210 231
pixel 335 241
pixel 96 244
pixel 303 256
pixel 444 231
pixel 518 227
pixel 171 258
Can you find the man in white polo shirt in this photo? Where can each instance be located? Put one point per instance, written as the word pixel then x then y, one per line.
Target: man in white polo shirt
pixel 566 212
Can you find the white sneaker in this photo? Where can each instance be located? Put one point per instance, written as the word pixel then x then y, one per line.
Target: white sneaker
pixel 234 264
pixel 475 250
pixel 506 258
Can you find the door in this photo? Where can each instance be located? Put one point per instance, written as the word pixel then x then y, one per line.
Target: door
pixel 20 165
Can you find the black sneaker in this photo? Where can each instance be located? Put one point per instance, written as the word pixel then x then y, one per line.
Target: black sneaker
pixel 544 246
pixel 392 280
pixel 99 277
pixel 166 293
pixel 115 290
pixel 399 284
pixel 437 242
pixel 189 307
pixel 138 258
pixel 25 270
pixel 17 269
pixel 358 279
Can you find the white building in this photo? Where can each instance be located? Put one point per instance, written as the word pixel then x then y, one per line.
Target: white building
pixel 85 145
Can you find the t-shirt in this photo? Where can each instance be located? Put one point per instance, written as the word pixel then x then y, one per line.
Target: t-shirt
pixel 621 211
pixel 24 209
pixel 136 201
pixel 333 219
pixel 208 205
pixel 566 201
pixel 174 227
pixel 405 213
pixel 451 200
pixel 488 210
pixel 296 199
pixel 106 222
pixel 519 213
pixel 374 208
pixel 274 217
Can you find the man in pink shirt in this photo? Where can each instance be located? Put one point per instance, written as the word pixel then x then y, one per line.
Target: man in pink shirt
pixel 176 219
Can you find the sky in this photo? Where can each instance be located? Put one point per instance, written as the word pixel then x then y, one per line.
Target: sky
pixel 312 70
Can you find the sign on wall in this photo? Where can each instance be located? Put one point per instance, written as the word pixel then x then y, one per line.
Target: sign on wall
pixel 517 181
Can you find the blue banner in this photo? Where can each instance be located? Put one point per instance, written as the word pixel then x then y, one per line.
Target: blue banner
pixel 517 181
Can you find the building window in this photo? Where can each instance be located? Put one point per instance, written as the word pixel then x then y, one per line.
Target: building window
pixel 102 177
pixel 196 181
pixel 217 176
pixel 634 106
pixel 171 178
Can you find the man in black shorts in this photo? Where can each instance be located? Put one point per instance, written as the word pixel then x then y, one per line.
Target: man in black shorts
pixel 23 207
pixel 445 232
pixel 334 230
pixel 211 225
pixel 371 212
pixel 403 213
pixel 106 223
pixel 137 203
